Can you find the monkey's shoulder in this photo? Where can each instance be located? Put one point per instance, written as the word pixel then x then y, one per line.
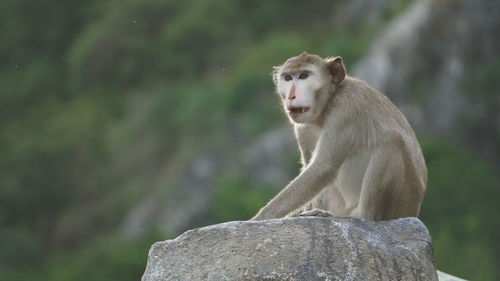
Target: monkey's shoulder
pixel 359 91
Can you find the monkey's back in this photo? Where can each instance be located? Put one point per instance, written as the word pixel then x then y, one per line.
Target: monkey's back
pixel 374 115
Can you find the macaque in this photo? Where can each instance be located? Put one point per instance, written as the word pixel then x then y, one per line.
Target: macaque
pixel 360 157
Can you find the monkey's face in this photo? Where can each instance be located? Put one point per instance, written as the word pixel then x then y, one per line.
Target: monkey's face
pixel 304 92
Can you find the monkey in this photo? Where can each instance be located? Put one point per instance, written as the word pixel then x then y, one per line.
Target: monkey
pixel 360 157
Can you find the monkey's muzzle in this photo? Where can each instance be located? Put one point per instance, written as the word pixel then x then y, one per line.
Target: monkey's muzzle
pixel 298 109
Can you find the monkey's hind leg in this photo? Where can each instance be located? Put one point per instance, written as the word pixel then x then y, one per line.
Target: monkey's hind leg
pixel 391 188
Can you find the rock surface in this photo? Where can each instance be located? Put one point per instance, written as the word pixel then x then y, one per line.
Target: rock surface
pixel 446 277
pixel 304 248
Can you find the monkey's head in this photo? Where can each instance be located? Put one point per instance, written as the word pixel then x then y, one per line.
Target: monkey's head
pixel 305 83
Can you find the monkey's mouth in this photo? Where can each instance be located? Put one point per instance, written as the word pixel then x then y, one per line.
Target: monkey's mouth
pixel 298 109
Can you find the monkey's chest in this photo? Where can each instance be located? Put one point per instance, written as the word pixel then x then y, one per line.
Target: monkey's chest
pixel 349 180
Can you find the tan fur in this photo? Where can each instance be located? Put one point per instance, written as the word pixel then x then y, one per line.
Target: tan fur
pixel 360 156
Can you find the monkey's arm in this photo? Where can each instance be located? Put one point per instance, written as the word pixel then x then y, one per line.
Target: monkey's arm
pixel 331 153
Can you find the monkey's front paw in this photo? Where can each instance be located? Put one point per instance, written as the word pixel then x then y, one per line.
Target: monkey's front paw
pixel 316 213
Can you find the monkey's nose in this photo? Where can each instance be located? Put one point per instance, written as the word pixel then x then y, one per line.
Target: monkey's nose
pixel 291 97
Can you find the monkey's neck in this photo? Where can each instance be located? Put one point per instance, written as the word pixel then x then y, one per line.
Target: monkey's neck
pixel 330 103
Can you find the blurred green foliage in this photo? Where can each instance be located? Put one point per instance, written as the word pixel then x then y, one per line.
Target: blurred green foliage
pixel 458 210
pixel 395 9
pixel 235 200
pixel 81 80
pixel 108 258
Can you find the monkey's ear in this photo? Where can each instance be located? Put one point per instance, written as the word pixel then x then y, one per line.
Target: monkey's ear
pixel 275 74
pixel 336 69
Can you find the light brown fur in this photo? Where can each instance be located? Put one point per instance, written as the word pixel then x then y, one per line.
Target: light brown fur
pixel 360 156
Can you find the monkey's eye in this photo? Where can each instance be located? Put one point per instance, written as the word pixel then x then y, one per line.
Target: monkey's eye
pixel 303 75
pixel 288 77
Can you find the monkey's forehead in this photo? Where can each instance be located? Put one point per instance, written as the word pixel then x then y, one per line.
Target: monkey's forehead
pixel 295 68
pixel 302 61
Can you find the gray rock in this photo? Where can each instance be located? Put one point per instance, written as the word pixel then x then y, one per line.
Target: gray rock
pixel 446 277
pixel 303 248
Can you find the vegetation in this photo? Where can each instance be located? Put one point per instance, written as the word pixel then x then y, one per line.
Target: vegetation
pixel 82 82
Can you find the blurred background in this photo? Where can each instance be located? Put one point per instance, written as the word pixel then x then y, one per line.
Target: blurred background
pixel 127 122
